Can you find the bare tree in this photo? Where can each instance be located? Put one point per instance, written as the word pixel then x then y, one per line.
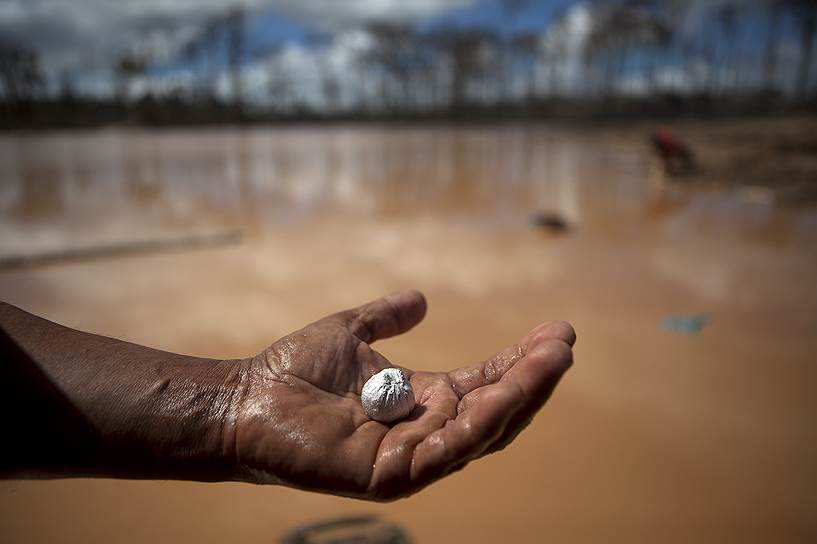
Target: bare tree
pixel 805 14
pixel 236 44
pixel 774 9
pixel 128 67
pixel 280 86
pixel 21 78
pixel 394 58
pixel 330 89
pixel 622 31
pixel 526 51
pixel 471 54
pixel 514 48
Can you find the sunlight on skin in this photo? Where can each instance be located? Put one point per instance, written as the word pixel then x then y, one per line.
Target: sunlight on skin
pixel 300 421
pixel 290 415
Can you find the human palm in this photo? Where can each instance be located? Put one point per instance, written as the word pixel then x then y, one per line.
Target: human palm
pixel 299 421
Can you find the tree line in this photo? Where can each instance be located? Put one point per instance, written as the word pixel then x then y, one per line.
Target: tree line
pixel 626 56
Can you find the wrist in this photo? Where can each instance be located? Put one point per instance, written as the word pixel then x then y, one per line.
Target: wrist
pixel 185 425
pixel 95 406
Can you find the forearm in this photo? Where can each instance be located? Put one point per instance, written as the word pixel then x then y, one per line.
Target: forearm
pixel 82 404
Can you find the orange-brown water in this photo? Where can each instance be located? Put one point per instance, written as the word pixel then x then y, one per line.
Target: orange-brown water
pixel 653 436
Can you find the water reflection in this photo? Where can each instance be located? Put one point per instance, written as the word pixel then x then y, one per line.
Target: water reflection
pixel 39 189
pixel 58 188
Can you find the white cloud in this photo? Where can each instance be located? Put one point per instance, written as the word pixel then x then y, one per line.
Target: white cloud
pixel 84 37
pixel 303 68
pixel 564 44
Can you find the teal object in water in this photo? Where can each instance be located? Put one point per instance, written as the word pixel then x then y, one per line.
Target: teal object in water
pixel 690 324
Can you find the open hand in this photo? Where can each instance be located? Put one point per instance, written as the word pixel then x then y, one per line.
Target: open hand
pixel 297 417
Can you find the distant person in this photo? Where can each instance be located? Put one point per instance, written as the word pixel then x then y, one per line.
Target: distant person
pixel 676 157
pixel 78 404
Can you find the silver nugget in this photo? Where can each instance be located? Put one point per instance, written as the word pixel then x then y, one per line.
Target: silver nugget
pixel 387 396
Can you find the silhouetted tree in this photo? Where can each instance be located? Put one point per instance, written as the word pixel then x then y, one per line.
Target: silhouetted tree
pixel 236 43
pixel 774 11
pixel 470 55
pixel 280 86
pixel 128 67
pixel 526 50
pixel 395 60
pixel 21 78
pixel 805 14
pixel 330 89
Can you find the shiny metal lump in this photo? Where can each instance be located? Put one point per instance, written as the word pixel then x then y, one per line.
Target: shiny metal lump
pixel 387 396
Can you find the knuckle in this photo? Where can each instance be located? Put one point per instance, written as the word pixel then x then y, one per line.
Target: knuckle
pixel 489 371
pixel 392 313
pixel 363 328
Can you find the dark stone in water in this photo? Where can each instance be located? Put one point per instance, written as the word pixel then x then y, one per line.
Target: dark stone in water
pixel 549 221
pixel 348 530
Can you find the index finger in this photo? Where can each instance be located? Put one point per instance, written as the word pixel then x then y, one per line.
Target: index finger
pixel 468 378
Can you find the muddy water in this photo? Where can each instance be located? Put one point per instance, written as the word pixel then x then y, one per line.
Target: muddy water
pixel 654 436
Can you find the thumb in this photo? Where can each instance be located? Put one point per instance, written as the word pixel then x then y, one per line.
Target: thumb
pixel 387 316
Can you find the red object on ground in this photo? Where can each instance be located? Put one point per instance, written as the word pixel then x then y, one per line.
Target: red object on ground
pixel 675 154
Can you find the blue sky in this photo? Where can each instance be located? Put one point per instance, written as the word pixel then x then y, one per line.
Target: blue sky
pixel 272 25
pixel 534 16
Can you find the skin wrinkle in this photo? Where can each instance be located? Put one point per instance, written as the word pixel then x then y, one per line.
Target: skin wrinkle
pixel 268 357
pixel 485 442
pixel 405 445
pixel 445 420
pixel 296 381
pixel 363 474
pixel 394 315
pixel 360 352
pixel 174 401
pixel 468 428
pixel 489 372
pixel 364 326
pixel 447 379
pixel 239 393
pixel 385 452
pixel 281 352
pixel 375 456
pixel 425 396
pixel 517 425
pixel 434 439
pixel 471 374
pixel 380 458
pixel 297 434
pixel 403 448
